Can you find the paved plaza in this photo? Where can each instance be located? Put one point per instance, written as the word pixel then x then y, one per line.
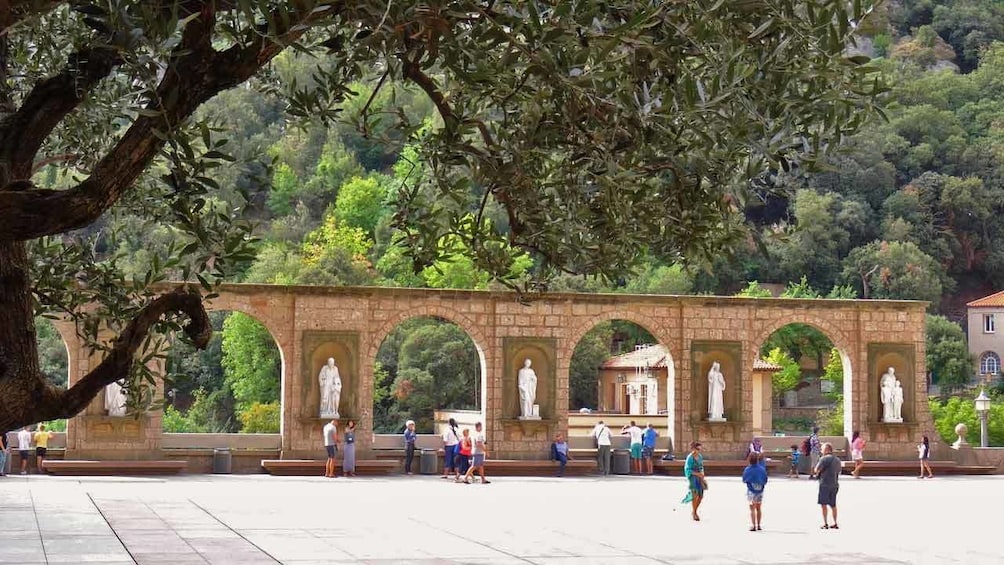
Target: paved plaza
pixel 619 520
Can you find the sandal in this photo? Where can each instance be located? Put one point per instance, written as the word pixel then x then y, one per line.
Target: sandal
pixel 824 527
pixel 758 528
pixel 752 528
pixel 834 527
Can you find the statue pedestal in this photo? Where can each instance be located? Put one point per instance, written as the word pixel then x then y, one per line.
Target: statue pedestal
pixel 717 420
pixel 525 418
pixel 893 421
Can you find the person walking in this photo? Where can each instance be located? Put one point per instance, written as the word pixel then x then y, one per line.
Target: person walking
pixel 602 434
pixel 409 445
pixel 924 451
pixel 24 448
pixel 451 437
pixel 479 453
pixel 42 438
pixel 349 453
pixel 330 433
pixel 814 451
pixel 559 453
pixel 648 440
pixel 464 449
pixel 693 470
pixel 795 456
pixel 828 470
pixel 3 453
pixel 755 477
pixel 857 453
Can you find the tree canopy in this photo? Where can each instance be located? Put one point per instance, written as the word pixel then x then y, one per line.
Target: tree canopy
pixel 559 129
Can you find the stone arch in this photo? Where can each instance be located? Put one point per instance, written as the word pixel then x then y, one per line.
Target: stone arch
pixel 828 328
pixel 651 325
pixel 262 316
pixel 473 330
pixel 844 345
pixel 578 331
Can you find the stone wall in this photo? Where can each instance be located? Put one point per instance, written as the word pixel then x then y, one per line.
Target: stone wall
pixel 310 321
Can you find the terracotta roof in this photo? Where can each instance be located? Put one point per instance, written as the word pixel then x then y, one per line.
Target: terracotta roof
pixel 993 301
pixel 761 365
pixel 653 356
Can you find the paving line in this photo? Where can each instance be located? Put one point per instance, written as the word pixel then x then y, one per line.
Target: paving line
pixel 105 518
pixel 227 526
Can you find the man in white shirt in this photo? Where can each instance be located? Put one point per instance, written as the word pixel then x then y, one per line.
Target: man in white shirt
pixel 24 447
pixel 635 432
pixel 602 434
pixel 330 445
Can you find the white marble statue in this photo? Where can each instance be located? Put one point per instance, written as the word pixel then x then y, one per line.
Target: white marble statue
pixel 716 391
pixel 897 402
pixel 331 389
pixel 115 399
pixel 887 384
pixel 527 382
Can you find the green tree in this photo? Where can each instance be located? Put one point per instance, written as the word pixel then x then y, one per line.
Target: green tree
pixel 894 270
pixel 788 377
pixel 583 373
pixel 361 203
pixel 260 418
pixel 754 290
pixel 660 279
pixel 53 358
pixel 251 363
pixel 833 373
pixel 948 357
pixel 961 410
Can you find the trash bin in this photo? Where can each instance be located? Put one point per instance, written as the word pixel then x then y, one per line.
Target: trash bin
pixel 428 462
pixel 621 462
pixel 221 461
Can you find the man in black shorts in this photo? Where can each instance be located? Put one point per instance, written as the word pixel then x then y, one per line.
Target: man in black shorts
pixel 828 470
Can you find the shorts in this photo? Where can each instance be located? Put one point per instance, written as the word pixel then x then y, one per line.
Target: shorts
pixel 647 452
pixel 827 496
pixel 857 455
pixel 635 451
pixel 479 459
pixel 24 453
pixel 754 497
pixel 40 451
pixel 331 451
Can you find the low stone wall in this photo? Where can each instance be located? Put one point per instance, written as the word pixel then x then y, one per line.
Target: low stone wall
pixel 990 456
pixel 211 441
pixel 242 461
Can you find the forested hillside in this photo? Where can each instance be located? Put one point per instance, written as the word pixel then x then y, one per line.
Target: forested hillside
pixel 909 209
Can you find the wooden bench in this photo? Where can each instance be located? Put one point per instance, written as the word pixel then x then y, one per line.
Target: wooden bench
pixel 912 468
pixel 537 467
pixel 111 468
pixel 315 467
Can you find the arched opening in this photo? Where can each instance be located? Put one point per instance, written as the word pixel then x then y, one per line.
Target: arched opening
pixel 232 386
pixel 427 369
pixel 620 372
pixel 801 380
pixel 53 359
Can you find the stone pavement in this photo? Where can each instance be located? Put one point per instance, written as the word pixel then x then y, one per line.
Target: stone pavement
pixel 617 521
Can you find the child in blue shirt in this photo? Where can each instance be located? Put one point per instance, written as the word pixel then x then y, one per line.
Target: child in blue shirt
pixel 795 457
pixel 755 477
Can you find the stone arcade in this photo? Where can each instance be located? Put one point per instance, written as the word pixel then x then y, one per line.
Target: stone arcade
pixel 703 334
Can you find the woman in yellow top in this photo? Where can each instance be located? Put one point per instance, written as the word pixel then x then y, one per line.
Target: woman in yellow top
pixel 42 438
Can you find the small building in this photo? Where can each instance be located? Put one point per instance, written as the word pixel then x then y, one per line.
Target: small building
pixel 985 343
pixel 635 382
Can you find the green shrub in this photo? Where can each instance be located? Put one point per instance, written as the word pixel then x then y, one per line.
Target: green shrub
pixel 260 418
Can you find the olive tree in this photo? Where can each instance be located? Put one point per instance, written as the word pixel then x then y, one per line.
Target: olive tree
pixel 599 132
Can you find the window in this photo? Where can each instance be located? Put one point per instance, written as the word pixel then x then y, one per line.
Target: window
pixel 990 363
pixel 989 324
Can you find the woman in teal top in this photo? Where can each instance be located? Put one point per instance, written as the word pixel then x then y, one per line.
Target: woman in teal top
pixel 693 469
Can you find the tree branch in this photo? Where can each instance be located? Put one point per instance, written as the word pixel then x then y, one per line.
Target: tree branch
pixel 194 75
pixel 65 403
pixel 23 132
pixel 12 12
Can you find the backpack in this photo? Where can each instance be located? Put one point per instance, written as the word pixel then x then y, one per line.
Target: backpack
pixel 805 449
